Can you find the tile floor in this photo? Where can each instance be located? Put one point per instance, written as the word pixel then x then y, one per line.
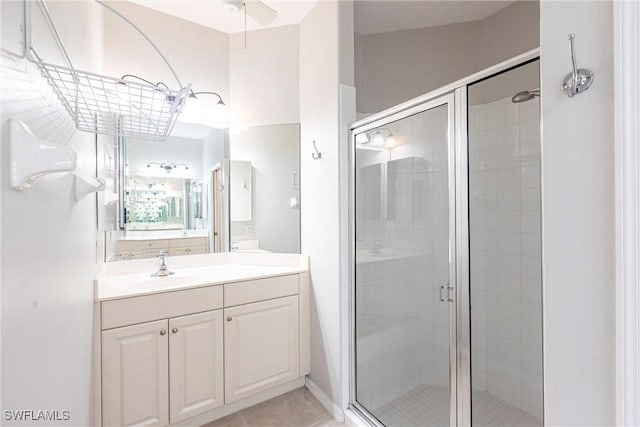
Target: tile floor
pixel 425 405
pixel 428 405
pixel 297 408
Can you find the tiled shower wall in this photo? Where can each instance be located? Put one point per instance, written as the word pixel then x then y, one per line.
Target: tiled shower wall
pixel 402 202
pixel 505 241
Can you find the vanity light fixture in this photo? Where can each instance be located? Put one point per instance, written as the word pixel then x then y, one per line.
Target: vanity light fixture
pixel 194 111
pixel 377 139
pixel 191 112
pixel 168 167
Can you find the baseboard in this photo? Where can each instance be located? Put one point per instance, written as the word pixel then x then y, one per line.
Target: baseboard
pixel 329 405
pixel 243 404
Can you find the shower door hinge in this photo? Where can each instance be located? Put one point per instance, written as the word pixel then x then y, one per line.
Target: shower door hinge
pixel 449 292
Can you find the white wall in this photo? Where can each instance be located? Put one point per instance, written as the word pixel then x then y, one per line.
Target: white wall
pixel 396 66
pixel 319 110
pixel 264 77
pixel 48 239
pixel 200 55
pixel 578 217
pixel 274 153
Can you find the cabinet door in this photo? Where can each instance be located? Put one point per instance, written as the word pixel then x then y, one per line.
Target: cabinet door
pixel 196 364
pixel 261 346
pixel 135 381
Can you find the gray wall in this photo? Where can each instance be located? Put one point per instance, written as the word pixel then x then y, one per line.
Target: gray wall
pixel 396 66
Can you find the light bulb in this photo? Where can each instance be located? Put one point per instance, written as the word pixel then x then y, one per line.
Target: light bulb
pixel 362 138
pixel 378 139
pixel 390 140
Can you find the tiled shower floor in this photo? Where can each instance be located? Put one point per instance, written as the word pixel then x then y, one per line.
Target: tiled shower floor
pixel 428 405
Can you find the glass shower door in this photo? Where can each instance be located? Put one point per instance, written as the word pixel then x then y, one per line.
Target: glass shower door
pixel 404 318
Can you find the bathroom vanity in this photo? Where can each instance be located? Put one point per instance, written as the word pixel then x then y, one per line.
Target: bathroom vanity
pixel 225 332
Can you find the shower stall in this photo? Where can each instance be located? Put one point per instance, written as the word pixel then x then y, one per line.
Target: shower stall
pixel 446 265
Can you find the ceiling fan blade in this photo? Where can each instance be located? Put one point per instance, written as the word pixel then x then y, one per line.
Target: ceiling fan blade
pixel 260 12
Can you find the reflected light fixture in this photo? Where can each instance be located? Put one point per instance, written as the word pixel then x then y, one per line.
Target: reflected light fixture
pixel 168 167
pixel 377 138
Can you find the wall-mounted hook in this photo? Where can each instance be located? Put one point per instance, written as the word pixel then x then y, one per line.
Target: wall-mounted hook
pixel 317 155
pixel 579 79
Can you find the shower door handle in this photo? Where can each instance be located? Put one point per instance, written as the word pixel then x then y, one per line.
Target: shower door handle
pixel 445 293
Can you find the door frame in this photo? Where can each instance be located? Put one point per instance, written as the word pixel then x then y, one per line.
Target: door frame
pixel 460 334
pixel 453 126
pixel 627 193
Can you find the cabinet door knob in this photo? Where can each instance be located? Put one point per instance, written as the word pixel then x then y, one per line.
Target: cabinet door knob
pixel 229 318
pixel 163 332
pixel 174 330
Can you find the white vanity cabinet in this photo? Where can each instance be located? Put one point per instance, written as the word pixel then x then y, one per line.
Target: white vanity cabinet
pixel 261 346
pixel 196 364
pixel 135 370
pixel 170 356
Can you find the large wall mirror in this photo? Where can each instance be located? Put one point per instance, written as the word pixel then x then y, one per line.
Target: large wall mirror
pixel 265 189
pixel 200 191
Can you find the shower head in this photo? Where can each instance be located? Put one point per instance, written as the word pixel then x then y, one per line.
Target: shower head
pixel 524 96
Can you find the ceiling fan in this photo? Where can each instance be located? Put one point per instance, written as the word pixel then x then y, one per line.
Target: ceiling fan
pixel 255 9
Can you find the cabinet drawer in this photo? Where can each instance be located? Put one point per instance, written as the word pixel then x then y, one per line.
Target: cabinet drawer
pixel 189 250
pixel 129 311
pixel 181 243
pixel 260 290
pixel 140 245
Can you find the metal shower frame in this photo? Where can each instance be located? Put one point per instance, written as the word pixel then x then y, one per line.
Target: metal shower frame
pixel 455 95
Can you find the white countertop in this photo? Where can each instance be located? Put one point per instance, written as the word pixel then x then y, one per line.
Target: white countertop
pixel 125 279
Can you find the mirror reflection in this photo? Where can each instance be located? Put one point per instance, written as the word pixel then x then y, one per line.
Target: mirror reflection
pixel 171 195
pixel 201 191
pixel 265 189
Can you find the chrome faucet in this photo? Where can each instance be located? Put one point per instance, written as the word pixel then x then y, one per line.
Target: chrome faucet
pixel 163 269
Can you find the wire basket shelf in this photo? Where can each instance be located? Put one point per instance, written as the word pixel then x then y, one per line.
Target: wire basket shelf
pixel 111 106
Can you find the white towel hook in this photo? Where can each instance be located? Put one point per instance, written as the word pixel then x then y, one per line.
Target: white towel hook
pixel 317 155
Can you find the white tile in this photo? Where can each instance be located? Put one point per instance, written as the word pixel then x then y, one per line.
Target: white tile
pixel 508 372
pixel 529 110
pixel 531 267
pixel 529 154
pixel 530 176
pixel 530 222
pixel 530 244
pixel 492 385
pixel 530 131
pixel 531 290
pixel 507 136
pixel 531 381
pixel 509 392
pixel 509 264
pixel 508 221
pixel 507 179
pixel 530 200
pixel 509 201
pixel 508 307
pixel 531 358
pixel 509 243
pixel 531 404
pixel 507 157
pixel 508 329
